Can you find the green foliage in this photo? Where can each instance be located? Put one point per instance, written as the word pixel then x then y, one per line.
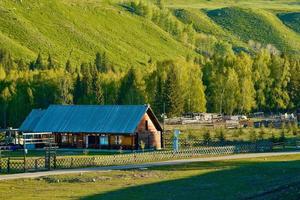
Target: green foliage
pixel 2 73
pixel 294 84
pixel 261 133
pixel 273 138
pixel 220 136
pixel 132 89
pixel 89 61
pixel 282 137
pixel 253 136
pixel 174 97
pixel 206 137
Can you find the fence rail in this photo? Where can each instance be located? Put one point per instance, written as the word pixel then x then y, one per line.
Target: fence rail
pixel 9 165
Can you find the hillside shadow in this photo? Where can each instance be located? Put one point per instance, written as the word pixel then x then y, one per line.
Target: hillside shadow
pixel 229 180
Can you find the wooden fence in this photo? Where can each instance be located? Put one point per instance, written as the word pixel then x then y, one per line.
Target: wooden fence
pixel 10 165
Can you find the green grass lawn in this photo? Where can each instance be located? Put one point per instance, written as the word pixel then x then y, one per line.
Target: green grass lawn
pixel 259 178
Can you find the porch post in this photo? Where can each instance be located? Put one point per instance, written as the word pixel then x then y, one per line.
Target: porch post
pixel 86 141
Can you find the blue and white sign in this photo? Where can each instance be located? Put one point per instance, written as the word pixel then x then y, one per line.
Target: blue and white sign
pixel 176 140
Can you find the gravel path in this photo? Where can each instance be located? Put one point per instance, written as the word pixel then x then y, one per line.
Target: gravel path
pixel 145 165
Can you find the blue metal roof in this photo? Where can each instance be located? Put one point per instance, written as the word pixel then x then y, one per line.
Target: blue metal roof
pixel 90 118
pixel 32 119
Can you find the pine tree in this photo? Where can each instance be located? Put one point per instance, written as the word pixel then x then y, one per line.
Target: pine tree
pixel 39 63
pixel 98 91
pixel 101 63
pixel 22 65
pixel 65 91
pixel 98 62
pixel 105 63
pixel 158 103
pixel 69 67
pixel 2 73
pixel 174 97
pixel 32 65
pixel 78 90
pixel 6 60
pixel 132 89
pixel 5 98
pixel 50 64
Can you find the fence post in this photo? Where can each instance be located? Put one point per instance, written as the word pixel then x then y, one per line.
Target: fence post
pixel 36 164
pixel 54 161
pixel 25 163
pixel 8 165
pixel 0 162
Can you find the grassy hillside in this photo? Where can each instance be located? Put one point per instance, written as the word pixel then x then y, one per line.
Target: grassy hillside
pixel 213 4
pixel 203 24
pixel 292 20
pixel 78 30
pixel 258 25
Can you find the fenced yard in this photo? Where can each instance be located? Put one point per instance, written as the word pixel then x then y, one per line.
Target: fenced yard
pixel 31 164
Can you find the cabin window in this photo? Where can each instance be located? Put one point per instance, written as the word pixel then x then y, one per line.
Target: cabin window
pixel 64 139
pixel 118 140
pixel 74 138
pixel 146 125
pixel 104 140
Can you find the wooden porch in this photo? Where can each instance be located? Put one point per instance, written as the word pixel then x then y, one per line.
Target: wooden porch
pixel 96 141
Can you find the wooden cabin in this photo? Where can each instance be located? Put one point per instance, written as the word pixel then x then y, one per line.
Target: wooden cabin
pixel 97 126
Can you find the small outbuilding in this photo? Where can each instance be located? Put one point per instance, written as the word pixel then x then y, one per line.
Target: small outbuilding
pixel 97 126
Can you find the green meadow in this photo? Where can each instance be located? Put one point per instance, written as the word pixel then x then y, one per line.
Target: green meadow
pixel 257 178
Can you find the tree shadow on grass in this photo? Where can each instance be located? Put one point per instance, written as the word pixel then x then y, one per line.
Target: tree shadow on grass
pixel 227 180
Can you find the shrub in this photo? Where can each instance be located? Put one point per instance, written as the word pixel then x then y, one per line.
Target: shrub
pixel 253 136
pixel 206 137
pixel 238 133
pixel 282 137
pixel 261 134
pixel 273 138
pixel 221 136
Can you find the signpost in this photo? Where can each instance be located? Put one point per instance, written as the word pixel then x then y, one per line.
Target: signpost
pixel 176 140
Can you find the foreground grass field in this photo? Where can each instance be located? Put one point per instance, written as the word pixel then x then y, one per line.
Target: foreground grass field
pixel 260 178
